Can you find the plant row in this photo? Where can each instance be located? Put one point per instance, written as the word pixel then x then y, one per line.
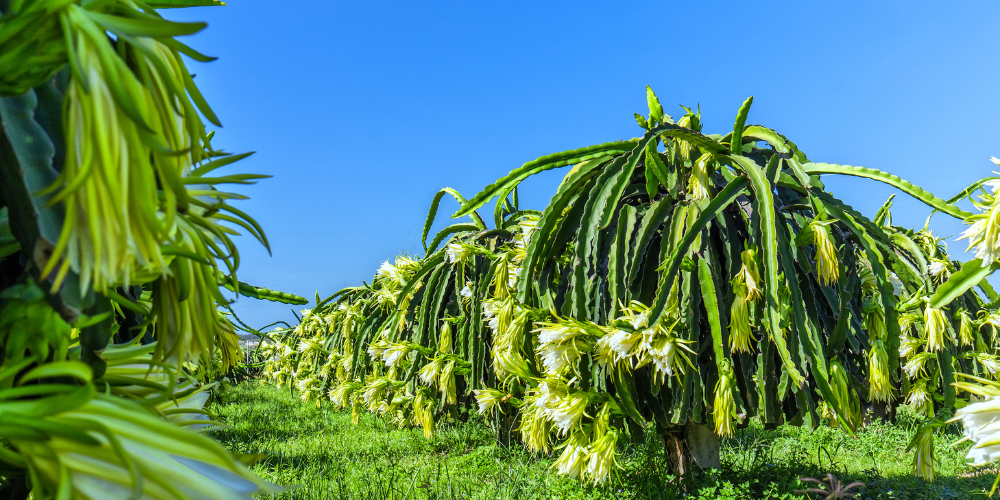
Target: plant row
pixel 677 279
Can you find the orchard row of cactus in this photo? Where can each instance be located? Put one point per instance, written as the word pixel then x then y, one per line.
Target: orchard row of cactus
pixel 115 234
pixel 674 279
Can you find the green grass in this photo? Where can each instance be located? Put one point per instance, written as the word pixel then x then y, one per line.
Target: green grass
pixel 325 456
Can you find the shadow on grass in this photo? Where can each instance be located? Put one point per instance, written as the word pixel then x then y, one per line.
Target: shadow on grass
pixel 753 467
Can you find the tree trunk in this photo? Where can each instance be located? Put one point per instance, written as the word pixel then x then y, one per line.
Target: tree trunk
pixel 694 447
pixel 879 412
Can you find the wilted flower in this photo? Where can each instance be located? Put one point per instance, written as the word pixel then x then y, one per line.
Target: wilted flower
pixel 535 426
pixel 446 383
pixel 305 386
pixel 990 318
pixel 429 373
pixel 375 391
pixel 749 275
pixel 509 363
pixel 724 408
pixel 691 120
pixel 990 362
pixel 356 407
pixel 488 399
pixel 603 449
pixel 341 395
pixel 574 456
pixel 966 327
pixel 502 280
pixel 935 326
pixel 446 342
pixel 505 319
pixel 395 353
pixel 700 180
pixel 827 264
pixel 567 412
pixel 923 458
pixel 739 319
pixel 879 384
pixel 874 322
pixel 393 409
pixel 603 456
pixel 188 329
pixel 914 367
pixel 847 408
pixel 458 253
pixel 918 396
pixel 906 321
pixel 423 414
pixel 111 226
pixel 869 283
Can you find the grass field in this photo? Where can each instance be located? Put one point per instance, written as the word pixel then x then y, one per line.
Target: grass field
pixel 325 456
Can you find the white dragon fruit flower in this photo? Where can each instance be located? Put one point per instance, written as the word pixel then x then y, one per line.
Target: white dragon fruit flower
pixel 938 269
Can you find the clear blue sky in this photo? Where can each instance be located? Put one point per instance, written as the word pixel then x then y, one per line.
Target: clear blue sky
pixel 363 110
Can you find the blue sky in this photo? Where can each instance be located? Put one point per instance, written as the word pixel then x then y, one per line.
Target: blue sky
pixel 363 110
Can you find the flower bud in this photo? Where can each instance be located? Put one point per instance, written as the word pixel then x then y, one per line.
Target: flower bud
pixel 445 344
pixel 692 121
